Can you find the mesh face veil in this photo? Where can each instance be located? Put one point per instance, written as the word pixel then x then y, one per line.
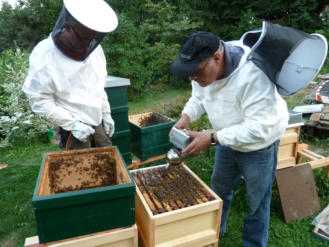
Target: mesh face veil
pixel 74 39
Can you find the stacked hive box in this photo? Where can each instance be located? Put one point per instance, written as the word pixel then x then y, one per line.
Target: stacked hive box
pixel 80 192
pixel 150 140
pixel 116 90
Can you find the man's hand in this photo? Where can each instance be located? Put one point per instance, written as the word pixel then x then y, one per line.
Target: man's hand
pixel 108 124
pixel 200 142
pixel 182 123
pixel 81 131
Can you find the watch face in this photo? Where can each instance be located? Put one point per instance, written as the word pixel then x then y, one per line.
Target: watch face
pixel 213 142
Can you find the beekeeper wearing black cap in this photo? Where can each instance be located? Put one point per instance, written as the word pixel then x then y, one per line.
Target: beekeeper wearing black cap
pixel 238 84
pixel 66 79
pixel 248 117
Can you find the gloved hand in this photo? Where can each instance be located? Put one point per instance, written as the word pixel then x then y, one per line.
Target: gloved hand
pixel 108 124
pixel 81 131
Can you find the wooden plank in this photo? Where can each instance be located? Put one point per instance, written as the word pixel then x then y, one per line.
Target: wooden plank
pixel 286 163
pixel 120 237
pixel 319 163
pixel 289 138
pixel 304 154
pixel 309 155
pixel 137 162
pixel 207 238
pixel 302 146
pixel 287 151
pixel 297 192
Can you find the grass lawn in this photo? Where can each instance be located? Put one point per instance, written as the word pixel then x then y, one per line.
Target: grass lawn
pixel 17 183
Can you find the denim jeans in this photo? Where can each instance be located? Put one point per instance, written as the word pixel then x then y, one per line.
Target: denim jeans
pixel 258 170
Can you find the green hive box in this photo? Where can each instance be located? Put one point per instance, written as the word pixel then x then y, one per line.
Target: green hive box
pixel 120 118
pixel 62 213
pixel 116 90
pixel 151 140
pixel 121 139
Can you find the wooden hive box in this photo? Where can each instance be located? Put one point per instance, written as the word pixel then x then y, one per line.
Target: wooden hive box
pixel 73 197
pixel 196 225
pixel 120 237
pixel 287 155
pixel 150 140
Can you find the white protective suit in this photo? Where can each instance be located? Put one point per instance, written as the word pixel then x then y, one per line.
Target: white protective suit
pixel 66 91
pixel 244 108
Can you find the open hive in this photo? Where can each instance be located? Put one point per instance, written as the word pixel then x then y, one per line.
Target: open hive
pixel 81 192
pixel 82 171
pixel 166 190
pixel 150 134
pixel 175 208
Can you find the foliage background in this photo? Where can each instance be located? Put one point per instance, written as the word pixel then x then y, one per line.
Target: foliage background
pixel 141 49
pixel 151 31
pixel 143 46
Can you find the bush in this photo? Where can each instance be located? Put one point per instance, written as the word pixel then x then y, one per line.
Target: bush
pixel 144 52
pixel 17 121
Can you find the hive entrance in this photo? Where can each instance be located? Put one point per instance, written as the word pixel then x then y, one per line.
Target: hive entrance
pixel 168 190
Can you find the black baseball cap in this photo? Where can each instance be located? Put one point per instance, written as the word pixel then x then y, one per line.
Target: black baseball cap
pixel 194 50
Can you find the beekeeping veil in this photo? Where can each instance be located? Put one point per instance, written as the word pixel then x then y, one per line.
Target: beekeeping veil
pixel 289 57
pixel 81 26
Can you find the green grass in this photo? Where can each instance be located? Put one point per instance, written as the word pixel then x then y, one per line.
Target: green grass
pixel 17 183
pixel 156 100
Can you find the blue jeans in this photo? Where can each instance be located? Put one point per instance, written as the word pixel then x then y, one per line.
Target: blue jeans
pixel 258 170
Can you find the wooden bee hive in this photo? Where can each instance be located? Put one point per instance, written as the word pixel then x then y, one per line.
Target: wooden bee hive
pixel 175 208
pixel 288 148
pixel 150 134
pixel 119 237
pixel 81 192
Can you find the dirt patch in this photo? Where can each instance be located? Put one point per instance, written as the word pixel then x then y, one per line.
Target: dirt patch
pixel 168 190
pixel 81 171
pixel 152 119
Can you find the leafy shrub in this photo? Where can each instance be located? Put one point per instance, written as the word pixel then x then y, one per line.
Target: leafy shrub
pixel 126 51
pixel 144 52
pixel 16 118
pixel 166 28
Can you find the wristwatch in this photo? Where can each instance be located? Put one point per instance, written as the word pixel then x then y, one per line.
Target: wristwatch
pixel 212 139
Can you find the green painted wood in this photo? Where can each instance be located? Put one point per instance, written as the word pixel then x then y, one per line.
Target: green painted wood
pixel 120 118
pixel 127 157
pixel 121 139
pixel 117 96
pixel 150 141
pixel 76 213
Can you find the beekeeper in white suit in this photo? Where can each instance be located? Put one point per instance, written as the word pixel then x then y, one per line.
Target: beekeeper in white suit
pixel 67 75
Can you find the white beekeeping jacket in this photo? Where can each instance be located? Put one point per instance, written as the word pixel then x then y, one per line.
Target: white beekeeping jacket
pixel 64 90
pixel 244 109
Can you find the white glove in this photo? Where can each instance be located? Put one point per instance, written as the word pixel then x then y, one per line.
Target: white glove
pixel 108 124
pixel 81 131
